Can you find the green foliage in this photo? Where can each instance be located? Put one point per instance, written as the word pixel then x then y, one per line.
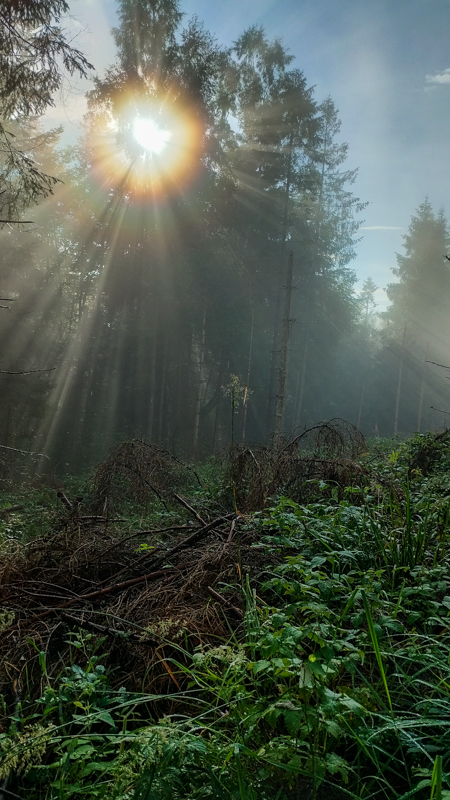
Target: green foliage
pixel 34 54
pixel 336 686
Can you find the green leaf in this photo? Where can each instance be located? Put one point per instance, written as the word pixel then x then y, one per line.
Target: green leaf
pixel 260 666
pixel 294 721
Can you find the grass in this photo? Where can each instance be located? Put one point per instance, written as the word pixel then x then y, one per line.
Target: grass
pixel 337 684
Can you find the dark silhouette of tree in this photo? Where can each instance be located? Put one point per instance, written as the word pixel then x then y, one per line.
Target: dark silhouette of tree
pixel 34 55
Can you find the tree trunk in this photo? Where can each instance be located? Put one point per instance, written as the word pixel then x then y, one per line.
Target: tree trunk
pixel 361 401
pixel 249 368
pixel 422 389
pixel 281 398
pixel 153 356
pixel 300 393
pixel 399 381
pixel 162 391
pixel 199 351
pixel 276 327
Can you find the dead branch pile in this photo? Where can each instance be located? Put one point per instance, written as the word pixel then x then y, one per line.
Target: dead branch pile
pixel 326 452
pixel 142 590
pixel 140 472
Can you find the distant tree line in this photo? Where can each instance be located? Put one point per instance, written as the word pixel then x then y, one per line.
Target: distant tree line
pixel 166 316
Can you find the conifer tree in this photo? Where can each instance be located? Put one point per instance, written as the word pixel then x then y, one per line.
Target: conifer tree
pixel 34 54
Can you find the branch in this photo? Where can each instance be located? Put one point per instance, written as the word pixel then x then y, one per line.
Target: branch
pixel 26 372
pixel 436 364
pixel 193 538
pixel 16 222
pixel 189 508
pixel 440 410
pixel 24 452
pixel 118 587
pixel 7 793
pixel 225 602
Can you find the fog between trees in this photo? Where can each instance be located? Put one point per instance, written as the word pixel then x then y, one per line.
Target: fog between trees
pixel 160 291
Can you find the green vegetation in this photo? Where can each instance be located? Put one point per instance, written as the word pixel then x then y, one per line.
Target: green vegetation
pixel 336 683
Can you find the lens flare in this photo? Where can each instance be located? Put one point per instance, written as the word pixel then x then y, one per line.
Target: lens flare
pixel 150 136
pixel 146 148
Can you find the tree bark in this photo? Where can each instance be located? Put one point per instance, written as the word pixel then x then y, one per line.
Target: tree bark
pixel 281 398
pixel 399 381
pixel 199 350
pixel 276 328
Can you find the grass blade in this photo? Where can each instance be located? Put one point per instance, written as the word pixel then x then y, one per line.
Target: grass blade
pixel 436 780
pixel 375 645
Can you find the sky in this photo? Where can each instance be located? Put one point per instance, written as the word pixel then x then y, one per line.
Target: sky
pixel 385 64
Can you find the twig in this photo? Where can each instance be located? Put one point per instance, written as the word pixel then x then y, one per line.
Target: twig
pixel 25 372
pixel 4 791
pixel 437 365
pixel 229 538
pixel 5 511
pixel 193 538
pixel 139 533
pixel 130 566
pixel 64 499
pixel 189 508
pixel 82 623
pixel 118 587
pixel 144 480
pixel 440 410
pixel 225 602
pixel 24 452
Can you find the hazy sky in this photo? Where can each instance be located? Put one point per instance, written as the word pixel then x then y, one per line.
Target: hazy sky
pixel 385 63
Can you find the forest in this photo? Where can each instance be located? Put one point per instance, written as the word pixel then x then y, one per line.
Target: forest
pixel 224 471
pixel 153 292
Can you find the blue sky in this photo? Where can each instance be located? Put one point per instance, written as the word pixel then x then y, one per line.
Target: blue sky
pixel 385 63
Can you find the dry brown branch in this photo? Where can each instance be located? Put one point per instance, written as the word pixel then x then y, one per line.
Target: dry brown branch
pixel 225 602
pixel 189 508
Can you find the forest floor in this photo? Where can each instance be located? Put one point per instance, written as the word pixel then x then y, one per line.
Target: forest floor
pixel 274 623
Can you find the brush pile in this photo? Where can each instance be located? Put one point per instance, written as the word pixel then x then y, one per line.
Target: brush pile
pixel 144 586
pixel 140 589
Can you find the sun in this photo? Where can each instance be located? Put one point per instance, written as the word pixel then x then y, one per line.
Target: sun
pixel 150 136
pixel 148 149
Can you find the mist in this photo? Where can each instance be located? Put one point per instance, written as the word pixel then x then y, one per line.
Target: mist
pixel 247 234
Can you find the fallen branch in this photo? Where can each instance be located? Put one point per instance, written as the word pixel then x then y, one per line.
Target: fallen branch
pixel 189 508
pixel 93 626
pixel 5 511
pixel 131 566
pixel 23 452
pixel 193 538
pixel 64 499
pixel 4 791
pixel 118 587
pixel 229 538
pixel 140 533
pixel 225 602
pixel 24 372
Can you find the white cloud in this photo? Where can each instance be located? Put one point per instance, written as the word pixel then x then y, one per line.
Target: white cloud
pixel 440 77
pixel 381 228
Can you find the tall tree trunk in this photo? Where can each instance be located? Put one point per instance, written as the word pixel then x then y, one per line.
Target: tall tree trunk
pixel 361 401
pixel 276 327
pixel 422 389
pixel 281 398
pixel 200 359
pixel 399 381
pixel 249 369
pixel 300 393
pixel 162 391
pixel 153 357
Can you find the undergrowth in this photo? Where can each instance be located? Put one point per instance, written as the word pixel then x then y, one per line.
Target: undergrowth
pixel 335 685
